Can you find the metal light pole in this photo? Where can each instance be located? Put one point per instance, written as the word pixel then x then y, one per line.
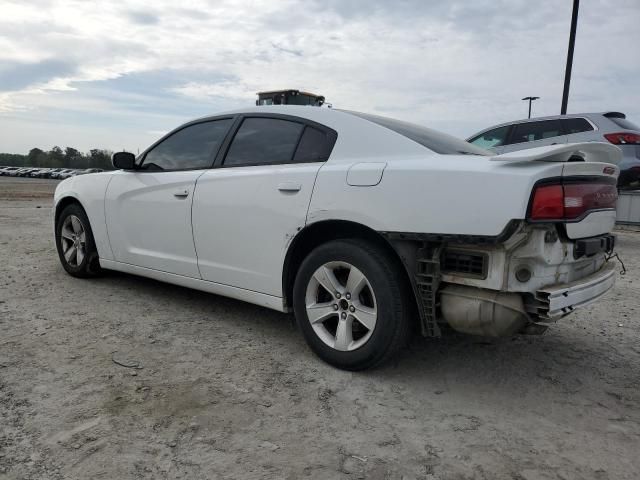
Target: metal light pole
pixel 531 99
pixel 572 42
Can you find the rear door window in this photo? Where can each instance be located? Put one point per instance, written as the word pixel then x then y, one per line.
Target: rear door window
pixel 264 141
pixel 532 131
pixel 313 147
pixel 577 125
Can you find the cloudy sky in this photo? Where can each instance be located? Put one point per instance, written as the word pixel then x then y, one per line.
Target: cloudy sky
pixel 117 74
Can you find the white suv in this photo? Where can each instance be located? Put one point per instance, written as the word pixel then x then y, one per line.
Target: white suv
pixel 584 127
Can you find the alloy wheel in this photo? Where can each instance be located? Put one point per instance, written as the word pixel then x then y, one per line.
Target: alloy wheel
pixel 341 306
pixel 74 240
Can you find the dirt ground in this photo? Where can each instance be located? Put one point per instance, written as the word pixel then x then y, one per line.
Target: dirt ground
pixel 224 389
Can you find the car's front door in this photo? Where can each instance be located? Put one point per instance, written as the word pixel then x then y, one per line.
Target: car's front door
pixel 246 212
pixel 148 210
pixel 535 134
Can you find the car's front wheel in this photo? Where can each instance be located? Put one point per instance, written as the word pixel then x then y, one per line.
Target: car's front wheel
pixel 75 244
pixel 351 304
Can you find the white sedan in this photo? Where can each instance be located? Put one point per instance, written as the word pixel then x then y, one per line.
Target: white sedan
pixel 364 226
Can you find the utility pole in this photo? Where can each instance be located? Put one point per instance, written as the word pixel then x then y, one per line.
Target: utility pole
pixel 531 99
pixel 572 42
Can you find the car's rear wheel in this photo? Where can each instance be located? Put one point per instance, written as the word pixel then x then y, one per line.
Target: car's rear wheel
pixel 351 304
pixel 75 244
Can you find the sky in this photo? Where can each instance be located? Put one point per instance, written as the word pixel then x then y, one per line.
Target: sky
pixel 119 74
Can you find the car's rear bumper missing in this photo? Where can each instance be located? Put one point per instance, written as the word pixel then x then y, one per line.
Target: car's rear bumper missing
pixel 559 300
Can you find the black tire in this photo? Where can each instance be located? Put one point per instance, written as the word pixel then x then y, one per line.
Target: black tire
pixel 89 266
pixel 386 281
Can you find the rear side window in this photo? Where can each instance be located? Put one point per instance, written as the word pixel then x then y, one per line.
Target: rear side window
pixel 264 141
pixel 191 148
pixel 532 131
pixel 492 138
pixel 433 140
pixel 577 125
pixel 624 123
pixel 312 146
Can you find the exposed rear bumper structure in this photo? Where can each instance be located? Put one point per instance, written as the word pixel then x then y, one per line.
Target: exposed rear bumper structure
pixel 559 300
pixel 494 313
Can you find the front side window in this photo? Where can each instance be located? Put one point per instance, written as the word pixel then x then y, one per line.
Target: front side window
pixel 492 138
pixel 532 131
pixel 191 148
pixel 577 125
pixel 264 141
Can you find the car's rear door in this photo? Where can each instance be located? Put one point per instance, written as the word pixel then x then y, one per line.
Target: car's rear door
pixel 148 210
pixel 246 211
pixel 535 134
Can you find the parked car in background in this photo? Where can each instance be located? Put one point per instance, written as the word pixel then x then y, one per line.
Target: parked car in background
pixel 37 172
pixel 69 173
pixel 362 240
pixel 612 127
pixel 62 173
pixel 44 173
pixel 51 172
pixel 7 171
pixel 25 172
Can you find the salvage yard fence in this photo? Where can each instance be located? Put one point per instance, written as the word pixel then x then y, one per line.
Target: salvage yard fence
pixel 628 208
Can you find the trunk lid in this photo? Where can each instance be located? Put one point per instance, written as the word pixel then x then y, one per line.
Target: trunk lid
pixel 587 182
pixel 596 222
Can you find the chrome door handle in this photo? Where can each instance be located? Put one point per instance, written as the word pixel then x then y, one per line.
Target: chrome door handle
pixel 289 187
pixel 181 194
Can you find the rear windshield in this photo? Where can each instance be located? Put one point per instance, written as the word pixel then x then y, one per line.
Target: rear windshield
pixel 433 140
pixel 624 123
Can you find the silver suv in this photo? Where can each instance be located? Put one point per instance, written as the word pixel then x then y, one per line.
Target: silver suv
pixel 583 127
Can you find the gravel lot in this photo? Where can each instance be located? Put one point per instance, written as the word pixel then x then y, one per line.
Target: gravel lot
pixel 229 390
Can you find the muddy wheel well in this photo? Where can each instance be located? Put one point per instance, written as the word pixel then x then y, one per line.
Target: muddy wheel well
pixel 318 233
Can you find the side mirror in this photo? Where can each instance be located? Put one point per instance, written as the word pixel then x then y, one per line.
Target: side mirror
pixel 124 160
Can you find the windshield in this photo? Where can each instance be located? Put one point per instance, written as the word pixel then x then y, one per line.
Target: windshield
pixel 432 139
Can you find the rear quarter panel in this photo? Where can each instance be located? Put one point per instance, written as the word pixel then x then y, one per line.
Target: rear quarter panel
pixel 89 190
pixel 431 194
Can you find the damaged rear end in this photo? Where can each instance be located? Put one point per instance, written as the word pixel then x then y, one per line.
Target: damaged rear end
pixel 544 266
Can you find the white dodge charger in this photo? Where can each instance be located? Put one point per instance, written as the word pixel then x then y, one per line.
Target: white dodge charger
pixel 364 226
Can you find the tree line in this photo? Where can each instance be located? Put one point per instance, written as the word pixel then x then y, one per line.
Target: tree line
pixel 59 158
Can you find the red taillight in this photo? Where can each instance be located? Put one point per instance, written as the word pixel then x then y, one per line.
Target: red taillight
pixel 570 201
pixel 623 138
pixel 548 202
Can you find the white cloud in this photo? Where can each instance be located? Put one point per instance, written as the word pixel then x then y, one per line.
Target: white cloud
pixel 233 90
pixel 456 66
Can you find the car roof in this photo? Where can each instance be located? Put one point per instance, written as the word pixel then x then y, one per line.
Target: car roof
pixel 380 142
pixel 309 112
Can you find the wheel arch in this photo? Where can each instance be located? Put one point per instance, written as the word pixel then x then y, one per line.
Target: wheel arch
pixel 63 203
pixel 324 231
